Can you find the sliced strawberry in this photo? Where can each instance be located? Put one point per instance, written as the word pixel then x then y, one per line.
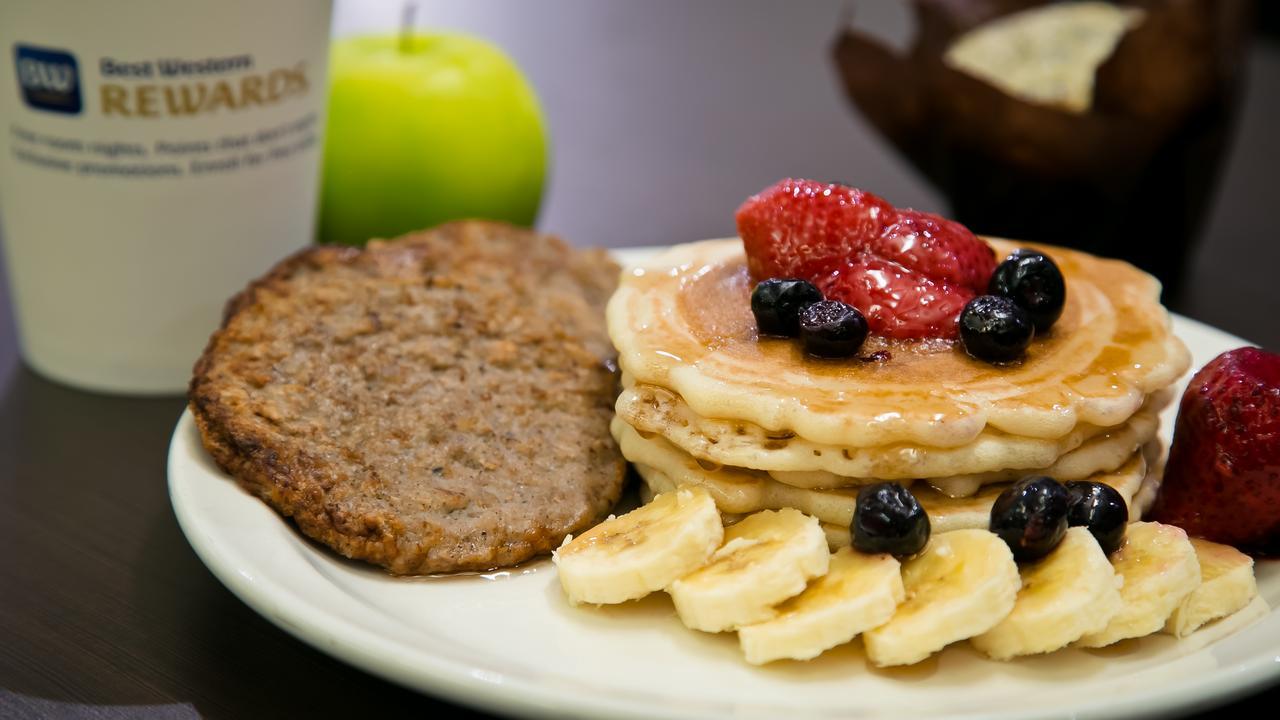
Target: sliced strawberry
pixel 897 301
pixel 804 228
pixel 909 272
pixel 1222 480
pixel 942 249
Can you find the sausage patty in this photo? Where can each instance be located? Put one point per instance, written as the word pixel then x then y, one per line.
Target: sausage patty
pixel 435 403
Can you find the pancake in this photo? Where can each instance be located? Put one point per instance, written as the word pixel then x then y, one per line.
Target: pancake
pixel 838 536
pixel 797 461
pixel 739 491
pixel 682 321
pixel 835 508
pixel 1103 452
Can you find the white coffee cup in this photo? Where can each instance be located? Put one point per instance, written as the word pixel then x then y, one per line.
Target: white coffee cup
pixel 154 157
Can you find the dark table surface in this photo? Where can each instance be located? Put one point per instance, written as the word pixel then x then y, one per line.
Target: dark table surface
pixel 664 116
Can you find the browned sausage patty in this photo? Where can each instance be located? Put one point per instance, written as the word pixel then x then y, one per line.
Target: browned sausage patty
pixel 435 403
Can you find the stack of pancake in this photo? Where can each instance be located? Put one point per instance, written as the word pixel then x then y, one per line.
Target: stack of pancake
pixel 708 402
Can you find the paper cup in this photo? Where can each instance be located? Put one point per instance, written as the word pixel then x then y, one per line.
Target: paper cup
pixel 154 157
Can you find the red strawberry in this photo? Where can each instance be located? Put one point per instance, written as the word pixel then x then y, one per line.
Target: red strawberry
pixel 897 301
pixel 909 272
pixel 942 249
pixel 1222 481
pixel 803 228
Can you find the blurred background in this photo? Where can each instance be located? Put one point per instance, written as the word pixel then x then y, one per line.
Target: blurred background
pixel 664 115
pixel 647 123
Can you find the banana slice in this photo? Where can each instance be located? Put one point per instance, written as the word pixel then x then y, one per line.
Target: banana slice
pixel 628 557
pixel 963 584
pixel 766 558
pixel 858 592
pixel 1072 592
pixel 1226 585
pixel 1158 564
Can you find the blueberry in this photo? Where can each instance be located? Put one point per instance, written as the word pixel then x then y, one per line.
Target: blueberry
pixel 1031 279
pixel 777 303
pixel 889 519
pixel 995 329
pixel 1102 509
pixel 831 329
pixel 1031 516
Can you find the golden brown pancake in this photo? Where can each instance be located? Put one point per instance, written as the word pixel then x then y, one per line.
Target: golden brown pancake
pixel 682 321
pixel 741 492
pixel 794 460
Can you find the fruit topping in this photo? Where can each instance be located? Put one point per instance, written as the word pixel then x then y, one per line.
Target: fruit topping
pixel 1033 280
pixel 1222 480
pixel 908 272
pixel 831 329
pixel 942 249
pixel 963 584
pixel 859 592
pixel 1031 516
pixel 804 228
pixel 1070 593
pixel 1101 509
pixel 632 555
pixel 1159 570
pixel 1227 585
pixel 995 329
pixel 889 519
pixel 770 577
pixel 777 303
pixel 766 558
pixel 897 301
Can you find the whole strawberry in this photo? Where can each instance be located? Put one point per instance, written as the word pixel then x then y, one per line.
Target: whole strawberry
pixel 1222 481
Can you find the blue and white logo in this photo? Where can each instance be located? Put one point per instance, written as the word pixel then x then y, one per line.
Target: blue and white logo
pixel 50 79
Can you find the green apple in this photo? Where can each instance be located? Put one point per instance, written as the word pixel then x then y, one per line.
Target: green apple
pixel 425 128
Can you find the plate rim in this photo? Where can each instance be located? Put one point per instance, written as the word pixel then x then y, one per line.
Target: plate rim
pixel 453 680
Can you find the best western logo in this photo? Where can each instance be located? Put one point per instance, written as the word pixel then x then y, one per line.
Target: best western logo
pixel 49 79
pixel 204 97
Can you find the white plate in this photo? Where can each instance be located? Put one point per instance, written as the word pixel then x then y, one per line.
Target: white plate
pixel 508 642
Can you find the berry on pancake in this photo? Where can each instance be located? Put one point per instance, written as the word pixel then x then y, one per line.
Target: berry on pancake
pixel 1033 280
pixel 804 228
pixel 937 247
pixel 909 272
pixel 897 301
